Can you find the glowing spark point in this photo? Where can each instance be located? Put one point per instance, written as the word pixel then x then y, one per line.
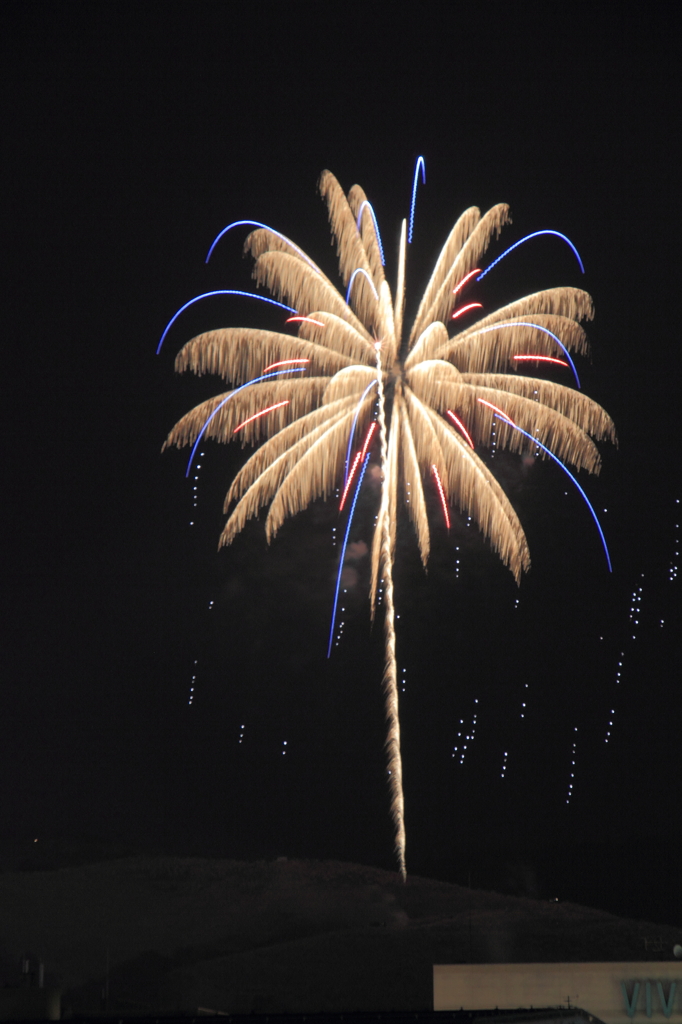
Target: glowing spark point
pixel 304 320
pixel 444 503
pixel 477 270
pixel 257 415
pixel 343 555
pixel 363 204
pixel 368 439
pixel 420 160
pixel 275 373
pixel 542 359
pixel 567 471
pixel 222 291
pixel 535 234
pixel 283 362
pixel 464 309
pixel 356 462
pixel 257 224
pixel 361 270
pixel 458 423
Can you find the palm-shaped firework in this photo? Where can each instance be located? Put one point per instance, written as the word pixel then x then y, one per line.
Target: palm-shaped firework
pixel 349 382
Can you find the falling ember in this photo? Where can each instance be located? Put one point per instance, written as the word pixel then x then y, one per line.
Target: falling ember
pixel 444 503
pixel 571 784
pixel 464 280
pixel 304 320
pixel 458 423
pixel 284 362
pixel 257 415
pixel 356 462
pixel 465 309
pixel 541 359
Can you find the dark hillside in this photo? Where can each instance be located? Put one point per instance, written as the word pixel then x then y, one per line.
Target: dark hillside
pixel 284 935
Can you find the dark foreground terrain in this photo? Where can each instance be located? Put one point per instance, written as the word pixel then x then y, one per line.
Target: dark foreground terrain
pixel 182 933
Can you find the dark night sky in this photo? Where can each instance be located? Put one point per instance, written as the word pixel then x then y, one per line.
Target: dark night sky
pixel 132 135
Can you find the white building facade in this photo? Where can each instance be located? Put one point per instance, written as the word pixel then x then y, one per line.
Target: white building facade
pixel 615 993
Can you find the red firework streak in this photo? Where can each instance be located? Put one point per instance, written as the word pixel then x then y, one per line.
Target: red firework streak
pixel 257 415
pixel 464 309
pixel 496 409
pixel 444 503
pixel 476 270
pixel 543 359
pixel 458 423
pixel 284 362
pixel 304 320
pixel 360 456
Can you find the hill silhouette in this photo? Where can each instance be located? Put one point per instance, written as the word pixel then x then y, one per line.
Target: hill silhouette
pixel 283 936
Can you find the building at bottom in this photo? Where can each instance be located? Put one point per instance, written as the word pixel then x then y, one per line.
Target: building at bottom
pixel 615 993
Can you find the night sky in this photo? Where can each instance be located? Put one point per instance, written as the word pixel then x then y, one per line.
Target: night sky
pixel 132 135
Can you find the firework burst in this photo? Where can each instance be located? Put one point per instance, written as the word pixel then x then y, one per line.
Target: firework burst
pixel 434 396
